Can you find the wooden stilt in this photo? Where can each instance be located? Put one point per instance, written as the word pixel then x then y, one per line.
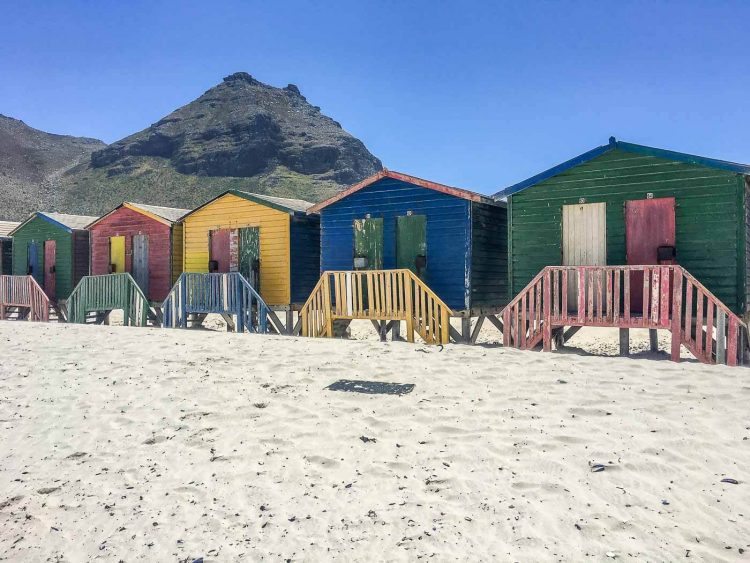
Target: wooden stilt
pixel 624 341
pixel 653 339
pixel 466 330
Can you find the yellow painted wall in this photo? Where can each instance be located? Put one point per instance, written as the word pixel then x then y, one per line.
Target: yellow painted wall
pixel 177 251
pixel 232 212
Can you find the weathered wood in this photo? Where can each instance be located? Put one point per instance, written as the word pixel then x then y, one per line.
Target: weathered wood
pixel 721 336
pixel 676 326
pixel 477 329
pixel 624 341
pixel 547 328
pixel 653 339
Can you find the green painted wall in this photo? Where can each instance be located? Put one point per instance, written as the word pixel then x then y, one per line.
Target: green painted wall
pixel 40 230
pixel 710 217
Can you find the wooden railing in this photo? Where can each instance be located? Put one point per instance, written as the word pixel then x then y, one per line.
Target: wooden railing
pixel 23 292
pixel 107 293
pixel 224 294
pixel 654 297
pixel 376 295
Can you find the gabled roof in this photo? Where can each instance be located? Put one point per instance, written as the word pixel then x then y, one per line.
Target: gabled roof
pixel 614 144
pixel 6 227
pixel 287 205
pixel 166 215
pixel 68 222
pixel 456 192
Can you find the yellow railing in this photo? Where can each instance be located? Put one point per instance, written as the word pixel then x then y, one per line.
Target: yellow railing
pixel 377 295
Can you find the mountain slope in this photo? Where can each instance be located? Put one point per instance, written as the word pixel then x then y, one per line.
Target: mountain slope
pixel 240 134
pixel 31 164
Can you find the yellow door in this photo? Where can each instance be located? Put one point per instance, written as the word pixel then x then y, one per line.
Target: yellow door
pixel 117 254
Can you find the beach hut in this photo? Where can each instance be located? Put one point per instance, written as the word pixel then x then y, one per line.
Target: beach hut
pixel 615 213
pixel 6 247
pixel 144 240
pixel 271 241
pixel 453 240
pixel 54 249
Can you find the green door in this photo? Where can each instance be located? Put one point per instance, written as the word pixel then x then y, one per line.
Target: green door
pixel 368 244
pixel 411 243
pixel 249 265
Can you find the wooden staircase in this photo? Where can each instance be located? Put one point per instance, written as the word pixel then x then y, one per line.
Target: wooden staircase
pixel 653 297
pixel 21 298
pixel 376 295
pixel 95 297
pixel 230 295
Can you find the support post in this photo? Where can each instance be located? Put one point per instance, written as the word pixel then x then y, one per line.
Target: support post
pixel 396 331
pixel 624 341
pixel 677 314
pixel 466 330
pixel 547 328
pixel 383 331
pixel 653 339
pixel 289 327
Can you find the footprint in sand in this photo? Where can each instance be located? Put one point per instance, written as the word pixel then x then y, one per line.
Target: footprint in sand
pixel 322 461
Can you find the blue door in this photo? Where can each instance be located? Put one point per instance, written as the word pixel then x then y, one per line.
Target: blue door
pixel 34 265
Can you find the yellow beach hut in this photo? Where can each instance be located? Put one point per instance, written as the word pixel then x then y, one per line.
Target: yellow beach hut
pixel 271 241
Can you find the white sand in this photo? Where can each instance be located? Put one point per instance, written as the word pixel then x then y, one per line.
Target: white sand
pixel 166 445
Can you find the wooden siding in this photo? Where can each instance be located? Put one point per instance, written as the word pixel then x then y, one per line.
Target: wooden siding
pixel 127 223
pixel 305 251
pixel 232 212
pixel 448 233
pixel 710 240
pixel 39 230
pixel 178 251
pixel 489 256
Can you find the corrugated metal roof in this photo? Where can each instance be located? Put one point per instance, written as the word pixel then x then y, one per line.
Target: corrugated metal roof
pixel 627 147
pixel 7 226
pixel 70 221
pixel 290 204
pixel 168 213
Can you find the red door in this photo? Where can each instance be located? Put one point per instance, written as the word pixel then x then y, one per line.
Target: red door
pixel 219 251
pixel 50 265
pixel 649 224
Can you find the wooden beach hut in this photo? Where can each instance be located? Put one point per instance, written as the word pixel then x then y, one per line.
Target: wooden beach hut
pixel 143 240
pixel 672 227
pixel 54 249
pixel 271 241
pixel 452 240
pixel 6 247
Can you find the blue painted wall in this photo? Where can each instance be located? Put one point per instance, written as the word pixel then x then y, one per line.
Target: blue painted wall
pixel 305 256
pixel 448 233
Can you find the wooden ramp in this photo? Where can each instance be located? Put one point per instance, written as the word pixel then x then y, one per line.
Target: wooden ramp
pixel 653 297
pixel 230 295
pixel 376 295
pixel 95 297
pixel 21 298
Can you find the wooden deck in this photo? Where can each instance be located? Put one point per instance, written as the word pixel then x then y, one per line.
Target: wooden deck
pixel 653 297
pixel 22 298
pixel 379 296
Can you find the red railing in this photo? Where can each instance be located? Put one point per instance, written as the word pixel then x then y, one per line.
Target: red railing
pixel 23 292
pixel 655 297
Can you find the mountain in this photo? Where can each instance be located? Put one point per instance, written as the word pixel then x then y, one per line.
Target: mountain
pixel 240 134
pixel 32 163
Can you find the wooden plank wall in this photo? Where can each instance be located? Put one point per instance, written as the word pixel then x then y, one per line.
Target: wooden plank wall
pixel 708 210
pixel 489 256
pixel 126 222
pixel 232 212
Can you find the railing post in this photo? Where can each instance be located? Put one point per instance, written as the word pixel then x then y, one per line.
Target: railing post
pixel 676 314
pixel 327 305
pixel 182 315
pixel 547 328
pixel 410 313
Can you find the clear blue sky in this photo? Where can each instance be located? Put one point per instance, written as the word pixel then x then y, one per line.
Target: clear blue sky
pixel 477 95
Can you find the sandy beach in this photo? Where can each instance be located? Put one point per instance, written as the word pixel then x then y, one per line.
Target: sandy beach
pixel 167 445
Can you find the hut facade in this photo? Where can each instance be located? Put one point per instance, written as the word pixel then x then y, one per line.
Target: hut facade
pixel 6 247
pixel 143 240
pixel 453 239
pixel 54 248
pixel 271 241
pixel 628 204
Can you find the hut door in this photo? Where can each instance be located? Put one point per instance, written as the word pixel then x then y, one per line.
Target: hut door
pixel 411 243
pixel 140 262
pixel 584 241
pixel 368 244
pixel 34 262
pixel 219 255
pixel 50 265
pixel 249 265
pixel 649 224
pixel 117 255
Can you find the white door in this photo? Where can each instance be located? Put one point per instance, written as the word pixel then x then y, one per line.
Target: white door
pixel 584 241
